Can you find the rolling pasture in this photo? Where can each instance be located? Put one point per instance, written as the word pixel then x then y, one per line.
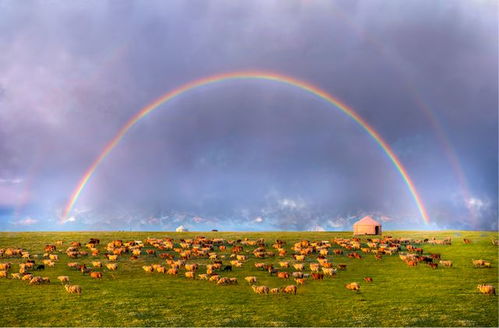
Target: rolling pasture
pixel 399 295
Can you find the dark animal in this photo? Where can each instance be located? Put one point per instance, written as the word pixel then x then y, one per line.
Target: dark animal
pixel 40 267
pixel 227 268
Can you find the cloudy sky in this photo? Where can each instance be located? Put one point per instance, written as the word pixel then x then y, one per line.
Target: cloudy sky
pixel 248 154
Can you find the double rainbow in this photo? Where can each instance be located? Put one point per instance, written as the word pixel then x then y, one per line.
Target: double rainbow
pixel 245 75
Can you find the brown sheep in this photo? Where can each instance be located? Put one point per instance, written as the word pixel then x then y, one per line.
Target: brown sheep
pixel 172 271
pixel 368 279
pixel 5 266
pixel 36 281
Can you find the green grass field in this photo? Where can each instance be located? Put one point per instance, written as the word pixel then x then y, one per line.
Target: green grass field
pixel 399 296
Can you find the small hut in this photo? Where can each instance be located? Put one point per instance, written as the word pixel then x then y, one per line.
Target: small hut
pixel 181 229
pixel 367 226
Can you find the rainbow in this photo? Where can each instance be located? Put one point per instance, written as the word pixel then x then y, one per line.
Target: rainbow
pixel 237 76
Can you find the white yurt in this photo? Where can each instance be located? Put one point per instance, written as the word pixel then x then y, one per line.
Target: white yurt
pixel 181 229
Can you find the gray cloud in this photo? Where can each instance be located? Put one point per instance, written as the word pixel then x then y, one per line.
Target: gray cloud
pixel 74 73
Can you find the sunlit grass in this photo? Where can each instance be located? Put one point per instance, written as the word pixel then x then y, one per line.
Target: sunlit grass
pixel 399 295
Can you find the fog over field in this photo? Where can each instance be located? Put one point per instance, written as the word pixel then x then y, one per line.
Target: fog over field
pixel 248 154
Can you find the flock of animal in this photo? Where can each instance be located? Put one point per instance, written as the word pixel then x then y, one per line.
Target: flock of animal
pixel 183 254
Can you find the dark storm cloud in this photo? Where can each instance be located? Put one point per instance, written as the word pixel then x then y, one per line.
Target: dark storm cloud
pixel 247 154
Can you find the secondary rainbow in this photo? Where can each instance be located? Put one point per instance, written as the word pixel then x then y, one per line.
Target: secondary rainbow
pixel 245 75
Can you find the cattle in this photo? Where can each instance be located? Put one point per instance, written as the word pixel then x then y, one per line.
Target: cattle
pixel 290 289
pixel 353 286
pixel 368 279
pixel 36 281
pixel 27 276
pixel 329 271
pixel 478 263
pixel 214 277
pixel 260 289
pixel 15 275
pixel 314 267
pixel 250 279
pixel 446 263
pixel 274 291
pixel 112 266
pixel 317 276
pixel 5 266
pixel 63 279
pixel 73 289
pixel 300 281
pixel 433 265
pixel 172 271
pixel 96 275
pixel 191 267
pixel 298 266
pixel 412 263
pixel 487 289
pixel 282 275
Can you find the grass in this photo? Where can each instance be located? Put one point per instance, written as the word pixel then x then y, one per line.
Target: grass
pixel 399 296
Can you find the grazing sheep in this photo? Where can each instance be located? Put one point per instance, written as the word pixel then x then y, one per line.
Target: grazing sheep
pixel 297 274
pixel 189 274
pixel 63 279
pixel 73 289
pixel 112 266
pixel 233 281
pixel 353 286
pixel 96 275
pixel 203 276
pixel 250 279
pixel 260 289
pixel 275 290
pixel 291 289
pixel 487 264
pixel 3 274
pixel 298 266
pixel 368 279
pixel 446 263
pixel 112 257
pixel 54 257
pixel 172 271
pixel 160 269
pixel 191 267
pixel 486 289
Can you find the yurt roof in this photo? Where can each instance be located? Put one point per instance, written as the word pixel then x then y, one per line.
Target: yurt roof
pixel 367 220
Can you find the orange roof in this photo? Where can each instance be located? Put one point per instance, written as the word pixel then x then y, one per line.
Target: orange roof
pixel 367 220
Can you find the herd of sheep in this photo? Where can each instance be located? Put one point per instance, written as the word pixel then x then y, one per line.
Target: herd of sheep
pixel 307 259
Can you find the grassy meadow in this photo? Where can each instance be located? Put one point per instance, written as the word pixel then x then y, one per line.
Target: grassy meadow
pixel 398 296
